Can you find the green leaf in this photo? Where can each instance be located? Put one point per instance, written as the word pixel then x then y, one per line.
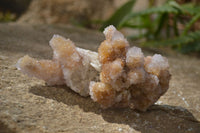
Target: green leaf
pixel 161 22
pixel 190 9
pixel 176 32
pixel 136 37
pixel 116 18
pixel 166 8
pixel 181 40
pixel 192 47
pixel 188 26
pixel 129 25
pixel 175 5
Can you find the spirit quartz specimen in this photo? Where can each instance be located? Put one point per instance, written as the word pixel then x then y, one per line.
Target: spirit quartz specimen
pixel 117 76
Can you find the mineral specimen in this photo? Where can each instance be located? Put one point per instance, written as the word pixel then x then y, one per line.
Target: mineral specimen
pixel 117 76
pixel 70 65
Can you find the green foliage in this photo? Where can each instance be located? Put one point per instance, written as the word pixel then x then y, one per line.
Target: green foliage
pixel 160 26
pixel 167 8
pixel 7 17
pixel 190 9
pixel 119 14
pixel 194 19
pixel 186 41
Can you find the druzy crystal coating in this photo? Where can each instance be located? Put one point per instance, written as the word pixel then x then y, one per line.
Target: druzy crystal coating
pixel 117 76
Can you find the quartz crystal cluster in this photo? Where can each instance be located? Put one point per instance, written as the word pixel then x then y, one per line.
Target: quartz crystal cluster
pixel 70 65
pixel 117 76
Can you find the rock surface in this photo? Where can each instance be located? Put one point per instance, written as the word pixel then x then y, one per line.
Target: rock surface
pixel 69 11
pixel 28 105
pixel 75 11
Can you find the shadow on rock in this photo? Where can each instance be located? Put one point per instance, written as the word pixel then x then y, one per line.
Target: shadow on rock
pixel 158 118
pixel 5 129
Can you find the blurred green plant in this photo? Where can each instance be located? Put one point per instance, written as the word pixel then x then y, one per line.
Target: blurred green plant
pixel 167 25
pixel 7 17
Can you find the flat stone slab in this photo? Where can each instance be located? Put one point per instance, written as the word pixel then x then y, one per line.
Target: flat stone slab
pixel 28 105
